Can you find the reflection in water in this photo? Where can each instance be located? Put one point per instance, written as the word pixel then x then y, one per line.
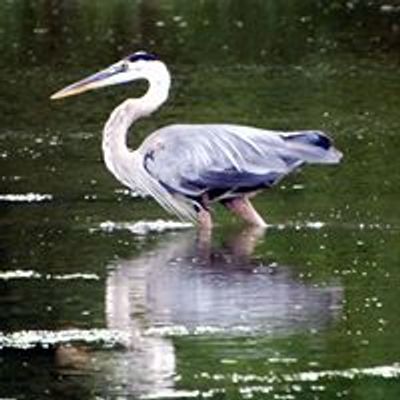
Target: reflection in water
pixel 185 286
pixel 71 358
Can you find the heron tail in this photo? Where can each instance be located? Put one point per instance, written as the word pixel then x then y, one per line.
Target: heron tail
pixel 313 147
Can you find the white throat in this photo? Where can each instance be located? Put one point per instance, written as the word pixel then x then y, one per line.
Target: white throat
pixel 119 159
pixel 159 80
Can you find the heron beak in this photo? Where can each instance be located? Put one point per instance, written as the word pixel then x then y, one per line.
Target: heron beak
pixel 109 76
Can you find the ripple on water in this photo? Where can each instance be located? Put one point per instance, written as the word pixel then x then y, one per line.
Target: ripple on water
pixel 28 339
pixel 383 371
pixel 251 384
pixel 317 225
pixel 160 225
pixel 142 227
pixel 180 330
pixel 30 274
pixel 129 193
pixel 298 225
pixel 25 197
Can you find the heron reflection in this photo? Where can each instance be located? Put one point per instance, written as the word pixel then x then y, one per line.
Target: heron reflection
pixel 188 285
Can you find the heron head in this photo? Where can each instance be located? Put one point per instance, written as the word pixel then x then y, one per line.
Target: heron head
pixel 139 65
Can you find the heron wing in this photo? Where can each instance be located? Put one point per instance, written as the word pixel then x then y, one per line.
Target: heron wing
pixel 223 160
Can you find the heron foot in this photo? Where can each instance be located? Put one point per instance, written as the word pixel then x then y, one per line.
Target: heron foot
pixel 242 207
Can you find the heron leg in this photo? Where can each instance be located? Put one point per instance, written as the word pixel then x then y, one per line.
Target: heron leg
pixel 204 215
pixel 242 207
pixel 205 220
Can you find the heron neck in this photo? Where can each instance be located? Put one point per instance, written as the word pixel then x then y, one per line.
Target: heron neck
pixel 118 158
pixel 116 153
pixel 157 92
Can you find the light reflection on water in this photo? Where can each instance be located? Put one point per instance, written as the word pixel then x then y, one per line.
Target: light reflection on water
pixel 184 286
pixel 318 298
pixel 184 281
pixel 187 285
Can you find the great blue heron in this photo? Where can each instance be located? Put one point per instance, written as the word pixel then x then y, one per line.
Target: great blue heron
pixel 185 168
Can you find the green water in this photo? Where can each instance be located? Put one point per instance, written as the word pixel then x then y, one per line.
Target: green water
pixel 96 304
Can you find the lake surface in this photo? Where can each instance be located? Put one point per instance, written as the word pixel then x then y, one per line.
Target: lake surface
pixel 104 296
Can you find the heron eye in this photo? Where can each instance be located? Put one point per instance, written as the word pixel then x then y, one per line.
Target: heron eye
pixel 123 66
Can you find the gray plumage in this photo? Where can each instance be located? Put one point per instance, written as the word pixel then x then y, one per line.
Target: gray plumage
pixel 225 161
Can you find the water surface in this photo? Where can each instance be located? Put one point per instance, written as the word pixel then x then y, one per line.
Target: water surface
pixel 103 296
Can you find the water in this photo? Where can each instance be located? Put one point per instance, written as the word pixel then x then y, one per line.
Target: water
pixel 103 296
